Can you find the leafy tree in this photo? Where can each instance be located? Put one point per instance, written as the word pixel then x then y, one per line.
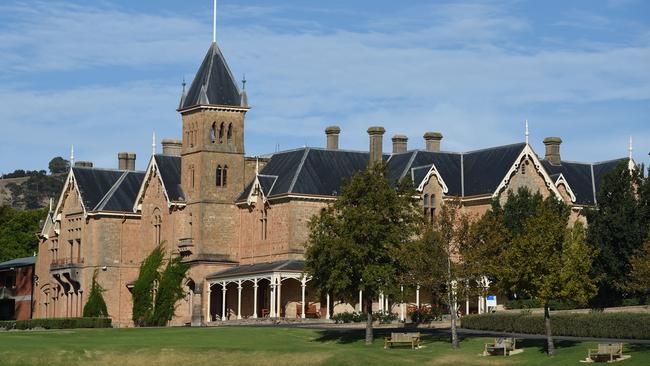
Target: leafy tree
pixel 144 287
pixel 35 191
pixel 548 261
pixel 169 291
pixel 640 275
pixel 352 242
pixel 617 228
pixel 95 306
pixel 155 294
pixel 18 231
pixel 58 165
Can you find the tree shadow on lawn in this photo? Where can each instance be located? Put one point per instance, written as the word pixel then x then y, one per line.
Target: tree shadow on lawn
pixel 541 344
pixel 347 336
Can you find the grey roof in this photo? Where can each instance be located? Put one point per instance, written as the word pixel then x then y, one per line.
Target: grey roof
pixel 417 163
pixel 213 84
pixel 18 262
pixel 170 172
pixel 584 179
pixel 483 170
pixel 290 265
pixel 107 190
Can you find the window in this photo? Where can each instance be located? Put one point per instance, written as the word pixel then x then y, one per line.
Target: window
pixel 192 176
pixel 229 134
pixel 263 224
pixel 213 132
pixel 221 132
pixel 157 224
pixel 219 176
pixel 224 181
pixel 429 207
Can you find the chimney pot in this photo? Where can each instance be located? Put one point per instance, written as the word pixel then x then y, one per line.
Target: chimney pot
pixel 400 143
pixel 552 145
pixel 332 134
pixel 432 140
pixel 122 161
pixel 171 147
pixel 376 135
pixel 131 161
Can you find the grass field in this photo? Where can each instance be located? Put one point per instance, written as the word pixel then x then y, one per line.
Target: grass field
pixel 264 346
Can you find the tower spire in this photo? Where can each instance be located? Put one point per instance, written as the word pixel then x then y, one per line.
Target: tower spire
pixel 527 131
pixel 214 22
pixel 153 144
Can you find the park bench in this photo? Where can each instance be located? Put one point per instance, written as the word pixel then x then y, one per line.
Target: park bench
pixel 606 352
pixel 311 311
pixel 403 338
pixel 501 346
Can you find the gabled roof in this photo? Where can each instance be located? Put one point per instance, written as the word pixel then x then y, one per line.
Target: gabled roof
pixel 584 179
pixel 483 170
pixel 107 190
pixel 18 262
pixel 168 168
pixel 213 84
pixel 417 163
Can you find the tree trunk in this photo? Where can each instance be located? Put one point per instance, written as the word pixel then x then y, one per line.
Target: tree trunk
pixel 452 306
pixel 549 335
pixel 369 333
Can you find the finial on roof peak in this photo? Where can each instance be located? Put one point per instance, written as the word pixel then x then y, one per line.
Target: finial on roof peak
pixel 630 149
pixel 71 156
pixel 153 143
pixel 214 22
pixel 527 134
pixel 243 82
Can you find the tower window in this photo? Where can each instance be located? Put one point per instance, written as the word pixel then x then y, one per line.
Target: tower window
pixel 221 132
pixel 224 181
pixel 229 134
pixel 213 132
pixel 219 176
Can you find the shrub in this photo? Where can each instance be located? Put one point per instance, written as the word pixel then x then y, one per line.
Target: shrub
pixel 426 315
pixel 56 323
pixel 534 303
pixel 95 306
pixel 593 324
pixel 346 317
pixel 144 287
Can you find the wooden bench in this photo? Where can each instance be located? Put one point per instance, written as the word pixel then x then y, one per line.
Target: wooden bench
pixel 311 311
pixel 403 338
pixel 606 352
pixel 501 346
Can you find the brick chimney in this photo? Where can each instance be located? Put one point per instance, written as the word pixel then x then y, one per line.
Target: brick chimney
pixel 400 143
pixel 332 133
pixel 376 135
pixel 553 150
pixel 171 147
pixel 432 140
pixel 126 161
pixel 131 161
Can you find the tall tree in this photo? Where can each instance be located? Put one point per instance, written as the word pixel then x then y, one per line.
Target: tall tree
pixel 145 286
pixel 18 231
pixel 58 165
pixel 352 242
pixel 170 290
pixel 547 261
pixel 639 280
pixel 95 306
pixel 617 228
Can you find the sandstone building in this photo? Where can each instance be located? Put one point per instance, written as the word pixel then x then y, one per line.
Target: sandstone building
pixel 240 222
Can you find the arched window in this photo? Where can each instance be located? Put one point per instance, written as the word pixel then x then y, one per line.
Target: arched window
pixel 218 176
pixel 229 134
pixel 157 224
pixel 224 181
pixel 213 132
pixel 221 132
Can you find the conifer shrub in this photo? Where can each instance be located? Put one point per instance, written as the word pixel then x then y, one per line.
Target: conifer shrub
pixel 144 286
pixel 593 324
pixel 95 306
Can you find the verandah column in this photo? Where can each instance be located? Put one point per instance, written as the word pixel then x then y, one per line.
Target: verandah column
pixel 327 316
pixel 417 297
pixel 223 301
pixel 279 307
pixel 401 305
pixel 239 288
pixel 255 298
pixel 208 318
pixel 360 301
pixel 303 284
pixel 272 297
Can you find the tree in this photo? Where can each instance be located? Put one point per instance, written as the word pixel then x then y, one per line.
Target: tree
pixel 640 275
pixel 547 261
pixel 58 165
pixel 352 242
pixel 617 228
pixel 155 294
pixel 18 232
pixel 95 306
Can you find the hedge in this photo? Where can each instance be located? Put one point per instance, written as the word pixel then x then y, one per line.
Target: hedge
pixel 56 323
pixel 533 304
pixel 594 324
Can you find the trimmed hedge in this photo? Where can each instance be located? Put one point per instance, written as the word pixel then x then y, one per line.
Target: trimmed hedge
pixel 594 324
pixel 533 304
pixel 56 323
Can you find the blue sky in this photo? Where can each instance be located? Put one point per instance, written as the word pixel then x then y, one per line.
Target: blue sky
pixel 103 75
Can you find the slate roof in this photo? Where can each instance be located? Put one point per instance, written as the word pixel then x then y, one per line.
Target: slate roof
pixel 170 172
pixel 18 262
pixel 584 179
pixel 485 169
pixel 213 84
pixel 291 265
pixel 107 190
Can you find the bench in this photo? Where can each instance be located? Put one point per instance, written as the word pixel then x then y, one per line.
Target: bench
pixel 311 311
pixel 606 352
pixel 403 338
pixel 501 346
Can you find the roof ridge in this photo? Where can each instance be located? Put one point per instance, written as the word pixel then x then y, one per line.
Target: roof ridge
pixel 302 162
pixel 102 203
pixel 407 167
pixel 494 147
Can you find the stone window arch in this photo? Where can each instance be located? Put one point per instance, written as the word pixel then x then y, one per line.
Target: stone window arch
pixel 213 132
pixel 221 132
pixel 219 176
pixel 224 179
pixel 229 133
pixel 157 226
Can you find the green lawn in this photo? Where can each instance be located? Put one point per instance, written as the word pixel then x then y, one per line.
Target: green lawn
pixel 263 346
